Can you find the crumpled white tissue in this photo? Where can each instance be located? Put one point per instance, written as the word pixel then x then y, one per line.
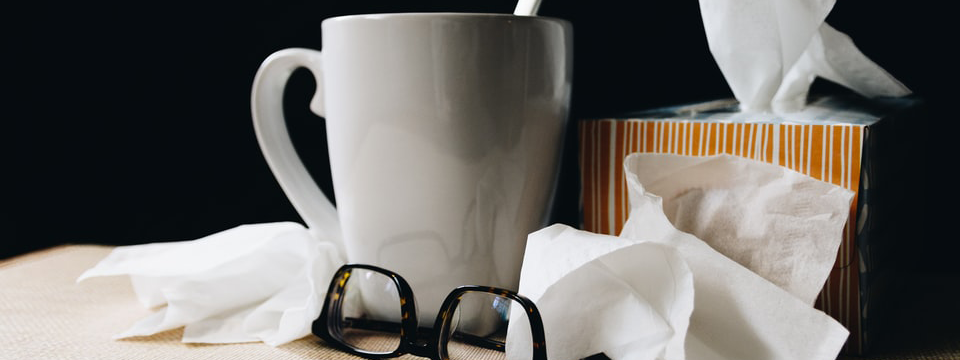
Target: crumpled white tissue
pixel 597 293
pixel 630 299
pixel 262 282
pixel 770 51
pixel 781 224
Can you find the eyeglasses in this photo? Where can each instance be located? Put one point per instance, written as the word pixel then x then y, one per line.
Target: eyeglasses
pixel 371 312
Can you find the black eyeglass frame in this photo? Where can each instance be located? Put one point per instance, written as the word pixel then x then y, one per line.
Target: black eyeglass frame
pixel 327 324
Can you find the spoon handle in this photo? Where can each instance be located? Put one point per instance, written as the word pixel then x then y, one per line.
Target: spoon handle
pixel 527 7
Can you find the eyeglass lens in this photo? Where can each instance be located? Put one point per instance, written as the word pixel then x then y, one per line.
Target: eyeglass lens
pixel 369 316
pixel 481 328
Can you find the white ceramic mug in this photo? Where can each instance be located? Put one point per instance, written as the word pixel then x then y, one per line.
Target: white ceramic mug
pixel 444 134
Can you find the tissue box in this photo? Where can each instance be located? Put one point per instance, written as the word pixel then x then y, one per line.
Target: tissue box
pixel 848 141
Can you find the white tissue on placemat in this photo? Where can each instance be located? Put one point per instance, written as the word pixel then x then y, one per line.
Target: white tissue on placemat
pixel 781 224
pixel 770 51
pixel 737 313
pixel 262 282
pixel 598 293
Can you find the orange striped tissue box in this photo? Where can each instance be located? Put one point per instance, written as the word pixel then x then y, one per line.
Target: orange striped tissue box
pixel 836 139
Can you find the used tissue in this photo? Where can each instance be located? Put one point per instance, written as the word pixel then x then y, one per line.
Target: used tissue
pixel 597 293
pixel 736 313
pixel 780 224
pixel 263 282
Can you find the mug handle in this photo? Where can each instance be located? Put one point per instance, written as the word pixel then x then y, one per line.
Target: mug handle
pixel 266 104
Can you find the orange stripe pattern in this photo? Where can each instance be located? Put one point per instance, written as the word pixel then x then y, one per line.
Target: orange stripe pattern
pixel 828 152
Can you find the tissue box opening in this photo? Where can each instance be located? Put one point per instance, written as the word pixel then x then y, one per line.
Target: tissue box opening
pixel 848 141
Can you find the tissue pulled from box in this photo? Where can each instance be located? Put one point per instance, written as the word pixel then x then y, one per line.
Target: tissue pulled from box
pixel 770 52
pixel 630 296
pixel 262 282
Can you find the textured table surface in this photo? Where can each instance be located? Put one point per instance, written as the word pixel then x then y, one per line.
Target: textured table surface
pixel 46 314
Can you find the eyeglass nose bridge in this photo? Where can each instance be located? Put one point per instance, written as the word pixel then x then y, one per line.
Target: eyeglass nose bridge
pixel 424 345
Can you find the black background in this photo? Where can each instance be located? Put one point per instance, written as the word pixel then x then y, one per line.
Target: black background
pixel 129 122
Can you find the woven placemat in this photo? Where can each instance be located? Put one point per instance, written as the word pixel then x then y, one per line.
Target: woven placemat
pixel 45 314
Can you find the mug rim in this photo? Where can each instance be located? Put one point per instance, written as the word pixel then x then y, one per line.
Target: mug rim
pixel 387 16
